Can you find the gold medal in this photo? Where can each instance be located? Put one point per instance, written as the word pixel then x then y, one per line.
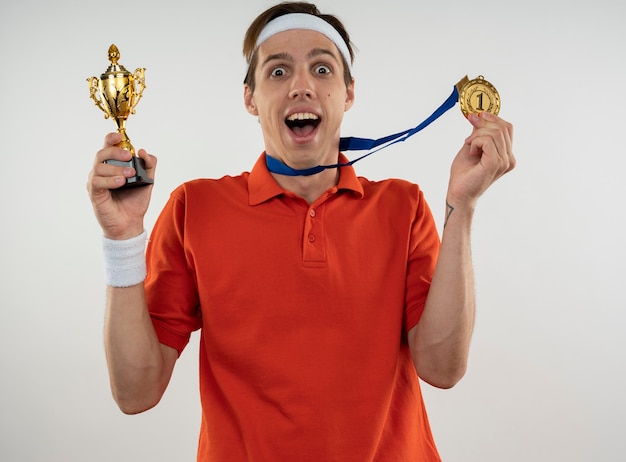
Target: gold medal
pixel 477 96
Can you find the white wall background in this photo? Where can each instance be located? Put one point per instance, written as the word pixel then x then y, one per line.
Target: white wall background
pixel 547 372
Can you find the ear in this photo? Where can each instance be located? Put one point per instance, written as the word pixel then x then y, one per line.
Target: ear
pixel 249 101
pixel 349 96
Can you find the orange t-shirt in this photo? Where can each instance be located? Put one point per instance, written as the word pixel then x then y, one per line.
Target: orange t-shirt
pixel 304 311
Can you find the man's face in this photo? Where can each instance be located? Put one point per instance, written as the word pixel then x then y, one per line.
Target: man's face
pixel 300 97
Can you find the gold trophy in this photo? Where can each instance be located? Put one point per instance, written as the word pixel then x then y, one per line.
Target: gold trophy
pixel 116 95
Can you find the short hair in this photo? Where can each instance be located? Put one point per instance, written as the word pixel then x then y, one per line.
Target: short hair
pixel 253 32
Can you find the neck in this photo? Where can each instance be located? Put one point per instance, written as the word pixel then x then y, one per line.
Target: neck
pixel 309 187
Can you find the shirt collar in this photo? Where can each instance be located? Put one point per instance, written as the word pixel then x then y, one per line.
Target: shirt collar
pixel 262 186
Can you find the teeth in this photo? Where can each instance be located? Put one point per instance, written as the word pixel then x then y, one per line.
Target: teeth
pixel 302 116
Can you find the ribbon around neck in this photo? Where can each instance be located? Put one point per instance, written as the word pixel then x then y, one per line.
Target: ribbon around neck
pixel 363 144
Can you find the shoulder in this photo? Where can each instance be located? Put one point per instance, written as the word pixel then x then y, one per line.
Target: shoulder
pixel 391 190
pixel 211 188
pixel 206 197
pixel 393 200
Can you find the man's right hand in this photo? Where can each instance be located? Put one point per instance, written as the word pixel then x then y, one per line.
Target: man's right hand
pixel 119 212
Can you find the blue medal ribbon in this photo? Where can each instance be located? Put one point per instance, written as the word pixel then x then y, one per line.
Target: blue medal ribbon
pixel 363 144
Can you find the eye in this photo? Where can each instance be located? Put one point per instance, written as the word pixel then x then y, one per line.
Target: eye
pixel 278 72
pixel 323 69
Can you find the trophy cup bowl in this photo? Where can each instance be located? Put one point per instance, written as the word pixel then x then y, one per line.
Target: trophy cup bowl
pixel 117 93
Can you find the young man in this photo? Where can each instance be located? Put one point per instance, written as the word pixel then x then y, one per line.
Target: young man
pixel 321 298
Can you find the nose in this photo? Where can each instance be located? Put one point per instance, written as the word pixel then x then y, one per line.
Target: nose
pixel 302 86
pixel 304 93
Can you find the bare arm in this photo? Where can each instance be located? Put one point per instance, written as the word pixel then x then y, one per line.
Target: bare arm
pixel 139 366
pixel 440 341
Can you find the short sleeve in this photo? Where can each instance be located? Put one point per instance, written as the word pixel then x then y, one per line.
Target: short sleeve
pixel 423 252
pixel 171 291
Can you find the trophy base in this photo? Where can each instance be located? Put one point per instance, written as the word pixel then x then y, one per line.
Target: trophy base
pixel 140 178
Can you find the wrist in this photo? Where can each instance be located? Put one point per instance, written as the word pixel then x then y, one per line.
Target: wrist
pixel 125 235
pixel 458 212
pixel 461 201
pixel 124 260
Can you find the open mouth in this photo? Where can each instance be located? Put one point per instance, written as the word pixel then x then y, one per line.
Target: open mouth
pixel 303 123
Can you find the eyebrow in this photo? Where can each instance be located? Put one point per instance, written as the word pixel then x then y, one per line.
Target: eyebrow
pixel 320 51
pixel 278 56
pixel 287 57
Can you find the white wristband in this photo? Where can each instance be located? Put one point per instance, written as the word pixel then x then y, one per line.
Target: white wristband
pixel 125 261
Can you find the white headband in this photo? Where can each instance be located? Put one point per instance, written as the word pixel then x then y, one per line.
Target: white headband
pixel 308 22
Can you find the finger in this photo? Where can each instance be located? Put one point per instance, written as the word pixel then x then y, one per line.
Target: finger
pixel 99 187
pixel 486 119
pixel 149 160
pixel 485 148
pixel 109 176
pixel 486 124
pixel 505 127
pixel 112 139
pixel 112 153
pixel 505 141
pixel 507 132
pixel 488 141
pixel 111 149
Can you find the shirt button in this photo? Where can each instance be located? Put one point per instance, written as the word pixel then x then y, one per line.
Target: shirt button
pixel 311 238
pixel 312 213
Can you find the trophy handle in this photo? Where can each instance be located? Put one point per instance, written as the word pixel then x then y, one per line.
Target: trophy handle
pixel 96 96
pixel 140 79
